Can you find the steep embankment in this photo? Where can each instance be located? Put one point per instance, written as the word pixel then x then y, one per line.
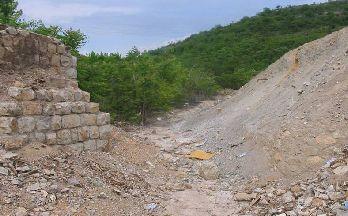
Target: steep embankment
pixel 289 119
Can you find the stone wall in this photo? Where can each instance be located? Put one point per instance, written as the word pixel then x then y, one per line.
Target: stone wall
pixel 40 100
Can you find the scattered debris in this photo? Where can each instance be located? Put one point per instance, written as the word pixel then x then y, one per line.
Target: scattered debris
pixel 151 207
pixel 209 171
pixel 242 155
pixel 200 155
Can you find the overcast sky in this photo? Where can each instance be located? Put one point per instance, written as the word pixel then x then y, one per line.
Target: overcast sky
pixel 118 25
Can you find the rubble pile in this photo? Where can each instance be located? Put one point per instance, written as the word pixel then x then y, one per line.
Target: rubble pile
pixel 325 194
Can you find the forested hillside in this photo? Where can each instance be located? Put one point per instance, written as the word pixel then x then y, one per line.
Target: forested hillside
pixel 235 53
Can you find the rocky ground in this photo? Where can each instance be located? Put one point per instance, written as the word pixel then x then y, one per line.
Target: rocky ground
pixel 140 175
pixel 47 181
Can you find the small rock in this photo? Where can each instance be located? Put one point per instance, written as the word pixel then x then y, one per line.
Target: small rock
pixel 102 195
pixel 117 191
pixel 34 187
pixel 3 171
pixel 23 169
pixel 209 171
pixel 52 198
pixel 12 30
pixel 65 190
pixel 288 197
pixel 74 182
pixel 342 170
pixel 316 202
pixel 20 211
pixel 244 196
pixel 280 192
pixel 335 196
pixel 323 196
pixel 296 189
pixel 15 182
pixel 151 207
pixel 9 156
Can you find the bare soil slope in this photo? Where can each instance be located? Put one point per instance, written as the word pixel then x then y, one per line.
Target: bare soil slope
pixel 287 121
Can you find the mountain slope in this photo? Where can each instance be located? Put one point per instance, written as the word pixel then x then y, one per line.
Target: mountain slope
pixel 237 52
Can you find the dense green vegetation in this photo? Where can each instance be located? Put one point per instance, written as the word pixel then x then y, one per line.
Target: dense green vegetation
pixel 235 53
pixel 134 87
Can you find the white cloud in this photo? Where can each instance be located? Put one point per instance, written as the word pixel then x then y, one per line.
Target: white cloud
pixel 54 12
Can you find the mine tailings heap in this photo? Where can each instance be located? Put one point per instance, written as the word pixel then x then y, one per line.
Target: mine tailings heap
pixel 40 101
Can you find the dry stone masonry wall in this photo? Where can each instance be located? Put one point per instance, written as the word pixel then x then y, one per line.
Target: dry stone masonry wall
pixel 40 101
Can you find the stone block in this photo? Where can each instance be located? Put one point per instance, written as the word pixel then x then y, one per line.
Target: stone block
pixel 31 108
pixel 101 144
pixel 57 82
pixel 92 107
pixel 44 61
pixel 22 94
pixel 71 121
pixel 36 59
pixel 77 146
pixel 88 119
pixel 82 96
pixel 93 132
pixel 83 133
pixel 105 132
pixel 10 109
pixel 37 137
pixel 56 122
pixel 55 60
pixel 73 61
pixel 71 73
pixel 7 41
pixel 65 61
pixel 48 109
pixel 7 125
pixel 51 138
pixel 64 137
pixel 103 119
pixel 12 30
pixel 89 145
pixel 74 135
pixel 44 95
pixel 2 51
pixel 86 96
pixel 43 123
pixel 78 95
pixel 63 108
pixel 61 49
pixel 43 46
pixel 72 84
pixel 26 124
pixel 51 48
pixel 62 95
pixel 13 142
pixel 78 107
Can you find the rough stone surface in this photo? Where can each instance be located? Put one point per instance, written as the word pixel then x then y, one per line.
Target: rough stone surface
pixel 40 101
